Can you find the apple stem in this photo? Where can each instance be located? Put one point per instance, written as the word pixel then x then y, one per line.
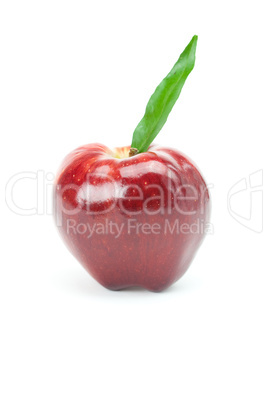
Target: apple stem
pixel 133 152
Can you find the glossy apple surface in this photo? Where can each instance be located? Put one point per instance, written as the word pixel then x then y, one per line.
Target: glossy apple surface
pixel 131 221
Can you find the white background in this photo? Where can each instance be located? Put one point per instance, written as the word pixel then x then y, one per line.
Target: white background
pixel 75 72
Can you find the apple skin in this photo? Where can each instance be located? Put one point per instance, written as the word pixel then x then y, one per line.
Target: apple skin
pixel 146 196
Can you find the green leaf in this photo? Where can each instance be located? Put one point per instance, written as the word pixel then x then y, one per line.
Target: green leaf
pixel 163 99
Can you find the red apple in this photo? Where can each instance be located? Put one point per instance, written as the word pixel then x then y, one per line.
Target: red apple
pixel 135 216
pixel 131 221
